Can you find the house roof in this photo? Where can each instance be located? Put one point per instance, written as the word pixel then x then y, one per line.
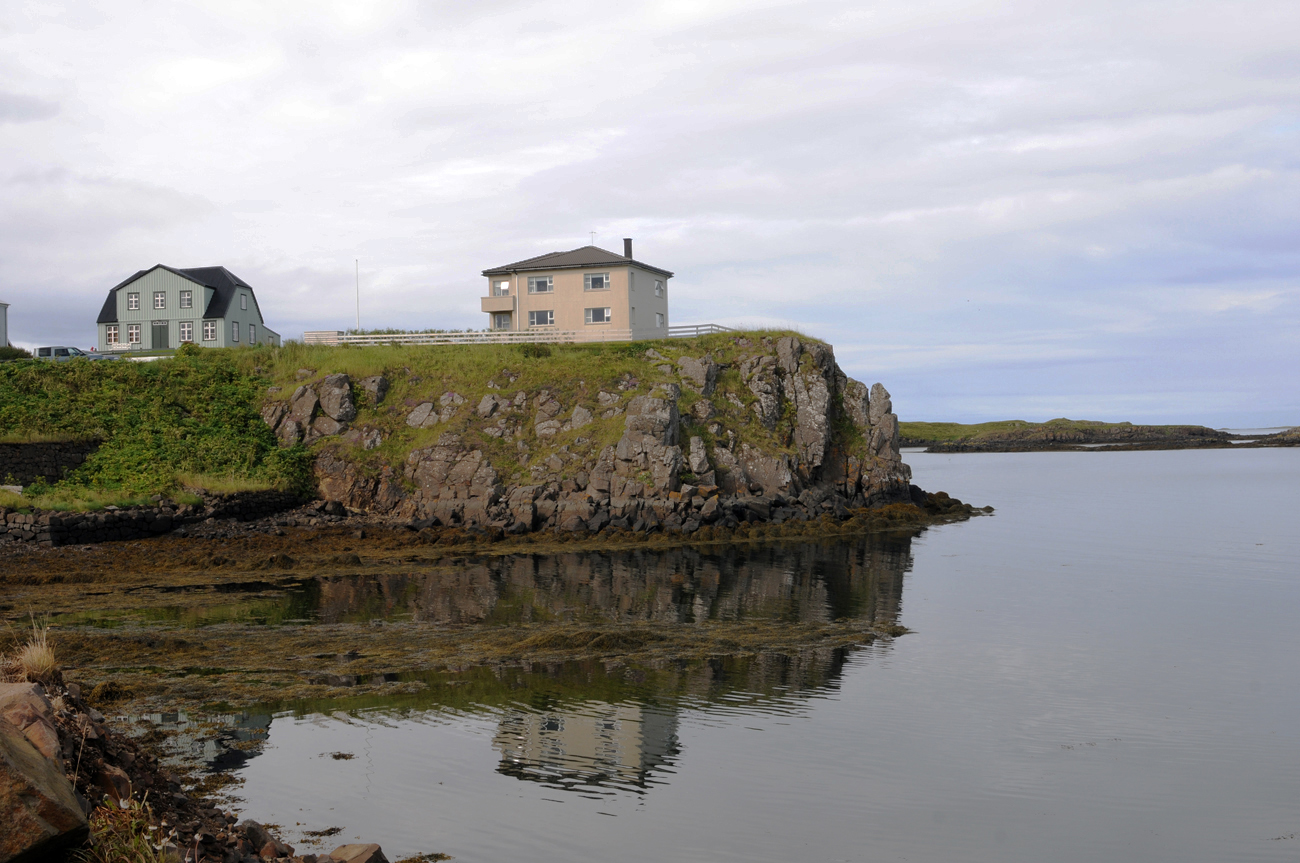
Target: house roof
pixel 583 258
pixel 222 281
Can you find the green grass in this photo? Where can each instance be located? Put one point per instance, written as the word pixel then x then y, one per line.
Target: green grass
pixel 196 413
pixel 955 432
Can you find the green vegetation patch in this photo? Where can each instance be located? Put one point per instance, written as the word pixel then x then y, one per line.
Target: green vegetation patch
pixel 196 413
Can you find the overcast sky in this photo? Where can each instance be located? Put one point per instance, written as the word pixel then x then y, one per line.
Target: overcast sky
pixel 999 209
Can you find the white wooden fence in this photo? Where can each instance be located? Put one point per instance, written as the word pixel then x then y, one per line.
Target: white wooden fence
pixel 338 337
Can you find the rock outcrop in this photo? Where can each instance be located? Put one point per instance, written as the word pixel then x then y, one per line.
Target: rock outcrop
pixel 762 429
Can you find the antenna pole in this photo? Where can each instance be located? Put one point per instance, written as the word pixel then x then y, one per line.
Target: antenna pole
pixel 358 263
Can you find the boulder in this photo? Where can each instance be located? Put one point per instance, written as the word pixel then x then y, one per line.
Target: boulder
pixel 422 417
pixel 39 813
pixel 273 413
pixel 703 373
pixel 487 406
pixel 698 462
pixel 289 432
pixel 303 406
pixel 581 417
pixel 25 707
pixel 336 398
pixel 369 853
pixel 325 426
pixel 375 387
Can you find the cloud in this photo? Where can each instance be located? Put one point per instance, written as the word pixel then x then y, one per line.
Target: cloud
pixel 997 206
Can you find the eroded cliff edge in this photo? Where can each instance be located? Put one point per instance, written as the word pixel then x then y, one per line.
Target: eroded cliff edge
pixel 673 436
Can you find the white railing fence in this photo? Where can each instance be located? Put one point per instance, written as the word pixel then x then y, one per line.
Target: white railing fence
pixel 543 335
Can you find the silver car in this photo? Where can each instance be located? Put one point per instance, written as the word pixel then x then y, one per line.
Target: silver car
pixel 63 353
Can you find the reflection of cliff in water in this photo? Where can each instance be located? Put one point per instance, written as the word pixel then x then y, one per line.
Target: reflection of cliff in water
pixel 810 582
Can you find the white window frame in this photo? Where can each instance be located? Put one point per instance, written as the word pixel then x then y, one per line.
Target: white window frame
pixel 500 320
pixel 187 331
pixel 659 287
pixel 110 334
pixel 209 331
pixel 661 320
pixel 606 314
pixel 541 284
pixel 234 331
pixel 533 318
pixel 133 302
pixel 160 299
pixel 586 281
pixel 133 334
pixel 499 288
pixel 243 302
pixel 187 299
pixel 252 334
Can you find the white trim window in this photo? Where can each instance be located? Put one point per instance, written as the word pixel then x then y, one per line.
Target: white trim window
pixel 110 334
pixel 500 288
pixel 187 331
pixel 598 316
pixel 243 303
pixel 160 299
pixel 209 331
pixel 133 334
pixel 540 284
pixel 187 299
pixel 252 334
pixel 501 321
pixel 541 318
pixel 133 302
pixel 595 282
pixel 659 287
pixel 234 331
pixel 661 320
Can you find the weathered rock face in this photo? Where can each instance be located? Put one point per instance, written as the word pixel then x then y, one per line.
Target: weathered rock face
pixel 376 389
pixel 336 398
pixel 795 429
pixel 39 812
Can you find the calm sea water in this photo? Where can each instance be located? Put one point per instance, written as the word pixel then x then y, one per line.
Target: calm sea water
pixel 1104 670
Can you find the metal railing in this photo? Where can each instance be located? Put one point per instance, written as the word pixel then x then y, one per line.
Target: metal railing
pixel 539 334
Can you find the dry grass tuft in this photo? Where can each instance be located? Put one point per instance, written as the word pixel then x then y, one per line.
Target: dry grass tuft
pixel 34 661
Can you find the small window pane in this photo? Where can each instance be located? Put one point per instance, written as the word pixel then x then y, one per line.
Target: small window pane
pixel 133 301
pixel 243 301
pixel 187 299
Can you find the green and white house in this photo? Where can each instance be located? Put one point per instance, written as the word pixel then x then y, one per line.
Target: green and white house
pixel 165 307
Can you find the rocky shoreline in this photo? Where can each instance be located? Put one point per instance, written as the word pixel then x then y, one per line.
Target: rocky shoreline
pixel 1085 437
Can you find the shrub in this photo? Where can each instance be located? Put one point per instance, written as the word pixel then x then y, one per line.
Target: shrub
pixel 9 352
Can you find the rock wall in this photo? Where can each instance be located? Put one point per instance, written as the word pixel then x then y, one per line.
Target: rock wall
pixel 788 436
pixel 24 463
pixel 108 525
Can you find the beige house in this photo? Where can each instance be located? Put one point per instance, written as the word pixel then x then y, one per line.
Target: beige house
pixel 590 291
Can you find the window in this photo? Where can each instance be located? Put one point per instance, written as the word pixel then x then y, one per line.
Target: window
pixel 659 320
pixel 187 299
pixel 500 289
pixel 159 300
pixel 44 352
pixel 187 331
pixel 234 331
pixel 133 301
pixel 659 288
pixel 595 282
pixel 540 284
pixel 243 301
pixel 61 352
pixel 501 321
pixel 252 334
pixel 598 316
pixel 209 331
pixel 133 334
pixel 110 334
pixel 541 319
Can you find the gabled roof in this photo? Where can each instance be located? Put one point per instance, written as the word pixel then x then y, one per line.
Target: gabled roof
pixel 583 258
pixel 222 281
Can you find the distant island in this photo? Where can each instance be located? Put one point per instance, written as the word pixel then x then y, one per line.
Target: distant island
pixel 1068 434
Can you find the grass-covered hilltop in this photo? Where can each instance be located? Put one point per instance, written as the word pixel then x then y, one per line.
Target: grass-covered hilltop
pixel 1017 435
pixel 522 437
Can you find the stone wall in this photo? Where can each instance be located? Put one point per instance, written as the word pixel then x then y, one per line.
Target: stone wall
pixel 108 525
pixel 24 463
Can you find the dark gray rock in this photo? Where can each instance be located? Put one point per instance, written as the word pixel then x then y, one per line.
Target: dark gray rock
pixel 376 388
pixel 336 398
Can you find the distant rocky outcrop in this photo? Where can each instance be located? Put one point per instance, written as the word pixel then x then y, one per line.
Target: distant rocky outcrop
pixel 775 432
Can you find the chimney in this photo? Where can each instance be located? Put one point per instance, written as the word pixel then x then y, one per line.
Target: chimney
pixel 627 247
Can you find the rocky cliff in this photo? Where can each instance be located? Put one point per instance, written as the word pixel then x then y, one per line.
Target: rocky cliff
pixel 681 434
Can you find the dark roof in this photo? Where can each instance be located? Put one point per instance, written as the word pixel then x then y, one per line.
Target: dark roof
pixel 587 256
pixel 222 281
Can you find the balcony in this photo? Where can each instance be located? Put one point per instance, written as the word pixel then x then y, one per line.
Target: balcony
pixel 498 304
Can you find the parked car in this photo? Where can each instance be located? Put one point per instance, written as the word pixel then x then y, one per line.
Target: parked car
pixel 63 353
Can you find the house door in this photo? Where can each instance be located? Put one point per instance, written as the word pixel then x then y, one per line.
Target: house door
pixel 159 335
